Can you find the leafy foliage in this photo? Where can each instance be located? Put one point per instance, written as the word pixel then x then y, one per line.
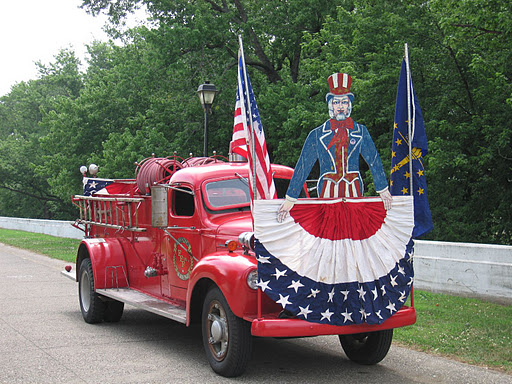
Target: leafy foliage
pixel 138 97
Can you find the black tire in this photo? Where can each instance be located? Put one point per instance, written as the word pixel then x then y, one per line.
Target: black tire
pixel 227 339
pixel 91 305
pixel 367 348
pixel 113 311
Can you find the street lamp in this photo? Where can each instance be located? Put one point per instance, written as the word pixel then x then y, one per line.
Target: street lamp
pixel 206 93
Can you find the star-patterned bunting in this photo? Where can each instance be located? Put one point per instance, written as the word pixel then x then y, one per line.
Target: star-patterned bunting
pixel 336 304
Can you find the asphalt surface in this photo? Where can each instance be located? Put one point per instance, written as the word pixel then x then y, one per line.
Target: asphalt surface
pixel 43 339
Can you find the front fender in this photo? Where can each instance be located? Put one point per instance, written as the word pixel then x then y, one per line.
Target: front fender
pixel 229 272
pixel 108 262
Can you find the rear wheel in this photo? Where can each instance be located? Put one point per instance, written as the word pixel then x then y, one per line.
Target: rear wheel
pixel 367 348
pixel 227 338
pixel 91 305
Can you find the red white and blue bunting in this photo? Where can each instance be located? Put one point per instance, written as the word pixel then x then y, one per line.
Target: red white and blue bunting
pixel 340 262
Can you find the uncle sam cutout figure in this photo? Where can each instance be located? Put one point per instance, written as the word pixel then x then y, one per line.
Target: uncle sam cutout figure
pixel 337 145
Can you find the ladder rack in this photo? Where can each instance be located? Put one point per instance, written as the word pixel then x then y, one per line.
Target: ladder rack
pixel 109 212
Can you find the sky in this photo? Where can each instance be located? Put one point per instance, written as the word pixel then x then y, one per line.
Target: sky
pixel 35 30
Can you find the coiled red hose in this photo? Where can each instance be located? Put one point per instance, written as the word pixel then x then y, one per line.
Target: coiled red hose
pixel 155 170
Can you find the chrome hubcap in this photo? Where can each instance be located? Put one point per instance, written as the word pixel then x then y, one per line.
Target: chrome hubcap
pixel 85 291
pixel 217 328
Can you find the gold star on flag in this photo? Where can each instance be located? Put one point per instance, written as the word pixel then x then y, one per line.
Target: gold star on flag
pixel 398 142
pixel 407 175
pixel 421 191
pixel 420 172
pixel 405 191
pixel 396 125
pixel 393 154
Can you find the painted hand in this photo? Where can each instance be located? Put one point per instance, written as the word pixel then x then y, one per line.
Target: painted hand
pixel 285 208
pixel 387 199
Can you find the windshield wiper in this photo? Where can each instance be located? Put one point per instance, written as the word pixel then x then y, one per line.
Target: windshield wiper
pixel 243 179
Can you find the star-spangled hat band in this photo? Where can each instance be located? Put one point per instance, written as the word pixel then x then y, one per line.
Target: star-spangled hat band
pixel 339 85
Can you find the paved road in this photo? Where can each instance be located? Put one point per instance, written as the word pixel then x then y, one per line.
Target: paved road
pixel 43 339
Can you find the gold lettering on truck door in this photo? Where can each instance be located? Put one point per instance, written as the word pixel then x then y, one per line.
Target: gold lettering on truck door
pixel 183 261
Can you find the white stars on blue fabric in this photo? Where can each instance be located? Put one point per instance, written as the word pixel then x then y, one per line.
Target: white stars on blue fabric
pixel 347 316
pixel 391 307
pixel 304 312
pixel 362 293
pixel 296 285
pixel 337 304
pixel 283 300
pixel 327 314
pixel 264 285
pixel 331 296
pixel 279 273
pixel 263 260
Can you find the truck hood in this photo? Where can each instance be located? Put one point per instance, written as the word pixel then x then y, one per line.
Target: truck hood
pixel 234 226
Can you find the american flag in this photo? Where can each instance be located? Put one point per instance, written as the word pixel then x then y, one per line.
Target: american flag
pixel 96 186
pixel 246 111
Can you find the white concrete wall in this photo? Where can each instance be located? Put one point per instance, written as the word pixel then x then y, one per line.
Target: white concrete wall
pixel 464 269
pixel 57 228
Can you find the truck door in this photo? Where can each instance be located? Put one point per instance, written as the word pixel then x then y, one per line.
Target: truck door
pixel 182 240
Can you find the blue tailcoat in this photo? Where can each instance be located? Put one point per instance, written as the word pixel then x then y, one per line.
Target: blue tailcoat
pixel 315 149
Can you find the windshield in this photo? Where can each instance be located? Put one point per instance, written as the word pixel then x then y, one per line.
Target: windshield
pixel 234 193
pixel 223 194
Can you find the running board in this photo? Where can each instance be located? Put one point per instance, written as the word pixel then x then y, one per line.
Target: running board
pixel 148 303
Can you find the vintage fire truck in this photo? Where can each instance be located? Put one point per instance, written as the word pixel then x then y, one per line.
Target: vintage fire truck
pixel 177 241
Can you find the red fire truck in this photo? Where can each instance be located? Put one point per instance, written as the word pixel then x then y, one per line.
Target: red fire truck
pixel 177 241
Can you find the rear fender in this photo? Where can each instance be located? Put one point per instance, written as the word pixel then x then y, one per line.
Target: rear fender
pixel 108 262
pixel 229 272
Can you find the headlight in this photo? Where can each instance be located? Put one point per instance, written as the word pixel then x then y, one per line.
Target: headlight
pixel 246 239
pixel 252 279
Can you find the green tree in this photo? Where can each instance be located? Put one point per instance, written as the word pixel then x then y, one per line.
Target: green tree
pixel 459 56
pixel 139 98
pixel 462 78
pixel 25 191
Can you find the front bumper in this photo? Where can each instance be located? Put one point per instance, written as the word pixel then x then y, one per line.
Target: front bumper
pixel 275 327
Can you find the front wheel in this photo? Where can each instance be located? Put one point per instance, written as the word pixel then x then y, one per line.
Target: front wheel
pixel 91 305
pixel 367 348
pixel 227 338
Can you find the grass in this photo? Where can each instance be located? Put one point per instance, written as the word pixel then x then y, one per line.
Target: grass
pixel 54 247
pixel 469 330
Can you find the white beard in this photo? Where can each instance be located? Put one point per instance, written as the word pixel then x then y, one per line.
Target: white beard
pixel 341 116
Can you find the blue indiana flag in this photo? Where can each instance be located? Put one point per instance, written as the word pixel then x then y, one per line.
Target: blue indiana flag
pixel 400 167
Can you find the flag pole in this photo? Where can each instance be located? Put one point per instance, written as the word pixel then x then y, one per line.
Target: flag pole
pixel 410 122
pixel 252 148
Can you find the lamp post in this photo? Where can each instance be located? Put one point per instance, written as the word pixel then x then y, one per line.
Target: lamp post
pixel 206 93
